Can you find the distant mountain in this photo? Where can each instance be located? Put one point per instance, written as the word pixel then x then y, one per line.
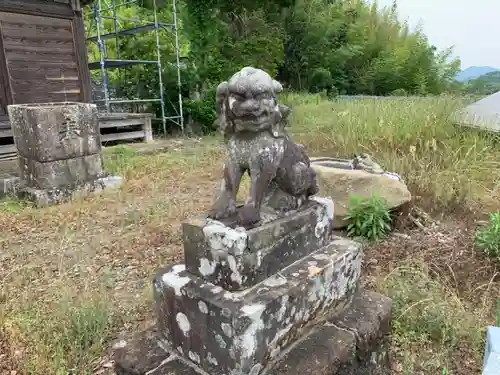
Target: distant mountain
pixel 487 84
pixel 474 72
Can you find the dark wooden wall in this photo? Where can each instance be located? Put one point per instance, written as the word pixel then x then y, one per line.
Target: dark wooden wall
pixel 43 55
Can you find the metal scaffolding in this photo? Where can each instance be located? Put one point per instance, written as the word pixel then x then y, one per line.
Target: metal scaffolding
pixel 107 9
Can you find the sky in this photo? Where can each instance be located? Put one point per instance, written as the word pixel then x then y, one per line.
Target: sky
pixel 471 26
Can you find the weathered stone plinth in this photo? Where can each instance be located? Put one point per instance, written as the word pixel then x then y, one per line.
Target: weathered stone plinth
pixel 236 259
pixel 241 333
pixel 302 302
pixel 354 342
pixel 55 131
pixel 48 197
pixel 59 151
pixel 61 173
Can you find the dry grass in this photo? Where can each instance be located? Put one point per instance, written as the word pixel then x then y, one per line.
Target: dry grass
pixel 443 297
pixel 79 271
pixel 75 274
pixel 446 165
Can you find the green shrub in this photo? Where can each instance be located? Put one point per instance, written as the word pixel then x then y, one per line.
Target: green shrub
pixel 488 238
pixel 321 79
pixel 332 92
pixel 370 218
pixel 202 111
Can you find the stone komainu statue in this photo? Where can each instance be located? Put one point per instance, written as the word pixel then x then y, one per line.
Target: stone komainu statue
pixel 253 124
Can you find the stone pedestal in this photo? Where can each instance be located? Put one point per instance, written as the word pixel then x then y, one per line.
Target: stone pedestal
pixel 237 259
pixel 354 342
pixel 243 332
pixel 59 151
pixel 245 298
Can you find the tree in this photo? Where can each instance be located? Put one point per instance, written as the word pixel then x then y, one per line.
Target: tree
pixel 485 85
pixel 366 49
pixel 227 35
pixel 349 47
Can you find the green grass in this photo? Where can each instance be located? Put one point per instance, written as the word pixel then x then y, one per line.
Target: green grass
pixel 488 237
pixel 69 337
pixel 11 205
pixel 369 218
pixel 74 274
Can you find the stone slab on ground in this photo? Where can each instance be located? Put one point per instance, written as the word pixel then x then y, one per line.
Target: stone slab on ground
pixel 8 184
pixel 43 198
pixel 341 184
pixel 356 342
pixel 242 332
pixel 236 258
pixel 491 362
pixel 166 145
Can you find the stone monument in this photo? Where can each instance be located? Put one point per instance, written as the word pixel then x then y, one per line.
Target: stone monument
pixel 265 287
pixel 59 151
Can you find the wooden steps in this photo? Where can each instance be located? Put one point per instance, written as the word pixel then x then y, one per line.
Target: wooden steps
pixel 123 120
pixel 122 136
pixel 7 152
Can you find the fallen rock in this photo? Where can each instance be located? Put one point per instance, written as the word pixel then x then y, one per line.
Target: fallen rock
pixel 340 180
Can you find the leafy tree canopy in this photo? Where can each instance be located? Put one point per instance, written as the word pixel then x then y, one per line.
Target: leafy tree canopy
pixel 342 46
pixel 485 85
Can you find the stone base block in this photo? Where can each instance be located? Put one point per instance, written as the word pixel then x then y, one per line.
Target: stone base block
pixel 60 173
pixel 237 258
pixel 55 131
pixel 43 198
pixel 356 342
pixel 240 333
pixel 8 185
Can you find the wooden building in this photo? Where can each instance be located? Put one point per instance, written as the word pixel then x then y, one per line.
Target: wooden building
pixel 43 55
pixel 43 58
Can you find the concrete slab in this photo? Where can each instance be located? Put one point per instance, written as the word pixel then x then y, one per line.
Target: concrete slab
pixel 491 363
pixel 483 114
